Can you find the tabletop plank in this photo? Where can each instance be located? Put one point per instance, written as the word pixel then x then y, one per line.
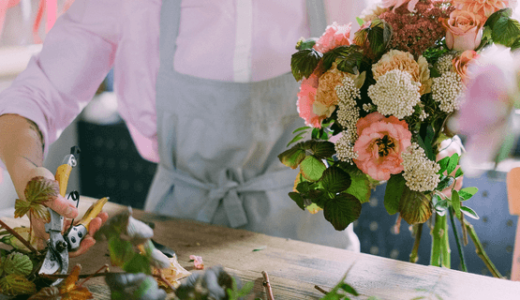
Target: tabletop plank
pixel 294 267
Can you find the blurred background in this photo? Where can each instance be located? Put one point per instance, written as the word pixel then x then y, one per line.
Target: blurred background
pixel 110 165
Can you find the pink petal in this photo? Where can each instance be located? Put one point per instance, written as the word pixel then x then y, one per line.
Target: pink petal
pixel 197 261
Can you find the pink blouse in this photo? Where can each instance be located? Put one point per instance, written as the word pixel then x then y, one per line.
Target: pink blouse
pixel 229 40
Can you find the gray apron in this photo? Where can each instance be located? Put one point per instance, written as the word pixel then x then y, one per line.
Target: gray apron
pixel 218 148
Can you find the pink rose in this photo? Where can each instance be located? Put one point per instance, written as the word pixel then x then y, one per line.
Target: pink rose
pixel 464 30
pixel 379 146
pixel 306 98
pixel 333 37
pixel 397 3
pixel 447 148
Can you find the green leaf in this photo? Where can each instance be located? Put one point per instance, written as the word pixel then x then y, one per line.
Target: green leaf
pixel 494 17
pixel 295 139
pixel 360 21
pixel 505 31
pixel 455 202
pixel 469 212
pixel 414 207
pixel 360 187
pixel 138 264
pixel 304 62
pixel 312 168
pixel 335 180
pixel 305 44
pixel 454 161
pixel 16 284
pixel 342 210
pixel 121 251
pixel 17 263
pixel 425 140
pixel 322 149
pixel 393 193
pixel 21 208
pixel 467 193
pixel 292 157
pixel 260 248
pixel 347 288
pixel 314 208
pixel 342 53
pixel 246 289
pixel 439 204
pixel 41 189
pixel 296 197
pixel 304 128
pixel 444 164
pixel 445 182
pixel 459 173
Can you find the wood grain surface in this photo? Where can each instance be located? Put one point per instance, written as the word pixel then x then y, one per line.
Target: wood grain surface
pixel 294 267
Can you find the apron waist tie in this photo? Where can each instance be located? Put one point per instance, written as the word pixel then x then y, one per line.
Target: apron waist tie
pixel 228 191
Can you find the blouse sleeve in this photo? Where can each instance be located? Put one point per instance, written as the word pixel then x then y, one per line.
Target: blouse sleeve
pixel 76 56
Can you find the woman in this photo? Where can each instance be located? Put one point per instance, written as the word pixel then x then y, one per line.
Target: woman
pixel 206 90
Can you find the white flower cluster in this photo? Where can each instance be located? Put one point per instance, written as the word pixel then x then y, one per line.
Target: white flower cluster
pixel 447 90
pixel 423 115
pixel 348 115
pixel 444 64
pixel 345 146
pixel 420 173
pixel 367 107
pixel 395 93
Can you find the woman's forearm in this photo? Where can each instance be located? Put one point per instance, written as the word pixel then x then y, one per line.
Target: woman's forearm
pixel 21 148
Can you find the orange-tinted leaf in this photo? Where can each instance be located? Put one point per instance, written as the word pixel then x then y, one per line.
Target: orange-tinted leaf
pixel 47 293
pixel 80 293
pixel 69 283
pixel 41 189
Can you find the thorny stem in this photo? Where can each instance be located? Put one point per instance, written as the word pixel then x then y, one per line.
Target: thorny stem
pixel 414 256
pixel 459 247
pixel 105 266
pixel 480 250
pixel 19 237
pixel 267 286
pixel 440 254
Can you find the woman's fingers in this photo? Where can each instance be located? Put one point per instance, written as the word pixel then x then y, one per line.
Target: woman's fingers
pixel 63 207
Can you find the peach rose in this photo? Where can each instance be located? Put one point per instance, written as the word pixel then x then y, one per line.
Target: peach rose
pixel 404 61
pixel 398 3
pixel 464 30
pixel 333 37
pixel 379 146
pixel 326 97
pixel 447 148
pixel 484 8
pixel 305 101
pixel 462 62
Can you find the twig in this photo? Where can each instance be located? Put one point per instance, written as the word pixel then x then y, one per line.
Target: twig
pixel 105 266
pixel 414 256
pixel 459 247
pixel 480 250
pixel 321 290
pixel 19 237
pixel 267 286
pixel 464 231
pixel 397 226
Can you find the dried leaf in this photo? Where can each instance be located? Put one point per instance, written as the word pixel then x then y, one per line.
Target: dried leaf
pixel 17 263
pixel 47 293
pixel 38 191
pixel 197 261
pixel 79 293
pixel 69 283
pixel 173 273
pixel 16 284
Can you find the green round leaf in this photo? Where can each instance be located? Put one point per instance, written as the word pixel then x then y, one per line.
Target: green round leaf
pixel 342 210
pixel 312 168
pixel 393 193
pixel 17 263
pixel 335 180
pixel 414 207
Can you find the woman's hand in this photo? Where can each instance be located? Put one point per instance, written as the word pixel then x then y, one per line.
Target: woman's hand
pixel 68 209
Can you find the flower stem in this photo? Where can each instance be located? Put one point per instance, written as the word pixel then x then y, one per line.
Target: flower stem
pixel 267 286
pixel 414 256
pixel 459 246
pixel 19 237
pixel 480 250
pixel 440 254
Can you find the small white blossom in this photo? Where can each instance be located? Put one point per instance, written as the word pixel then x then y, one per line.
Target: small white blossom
pixel 444 64
pixel 348 115
pixel 423 115
pixel 395 93
pixel 345 146
pixel 367 107
pixel 447 90
pixel 420 173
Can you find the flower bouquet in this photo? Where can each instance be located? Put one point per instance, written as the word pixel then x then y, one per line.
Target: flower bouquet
pixel 377 105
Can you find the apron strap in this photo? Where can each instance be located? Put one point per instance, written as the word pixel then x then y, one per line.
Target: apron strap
pixel 169 29
pixel 226 190
pixel 317 17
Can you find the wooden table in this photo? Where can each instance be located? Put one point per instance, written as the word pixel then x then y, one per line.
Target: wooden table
pixel 295 267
